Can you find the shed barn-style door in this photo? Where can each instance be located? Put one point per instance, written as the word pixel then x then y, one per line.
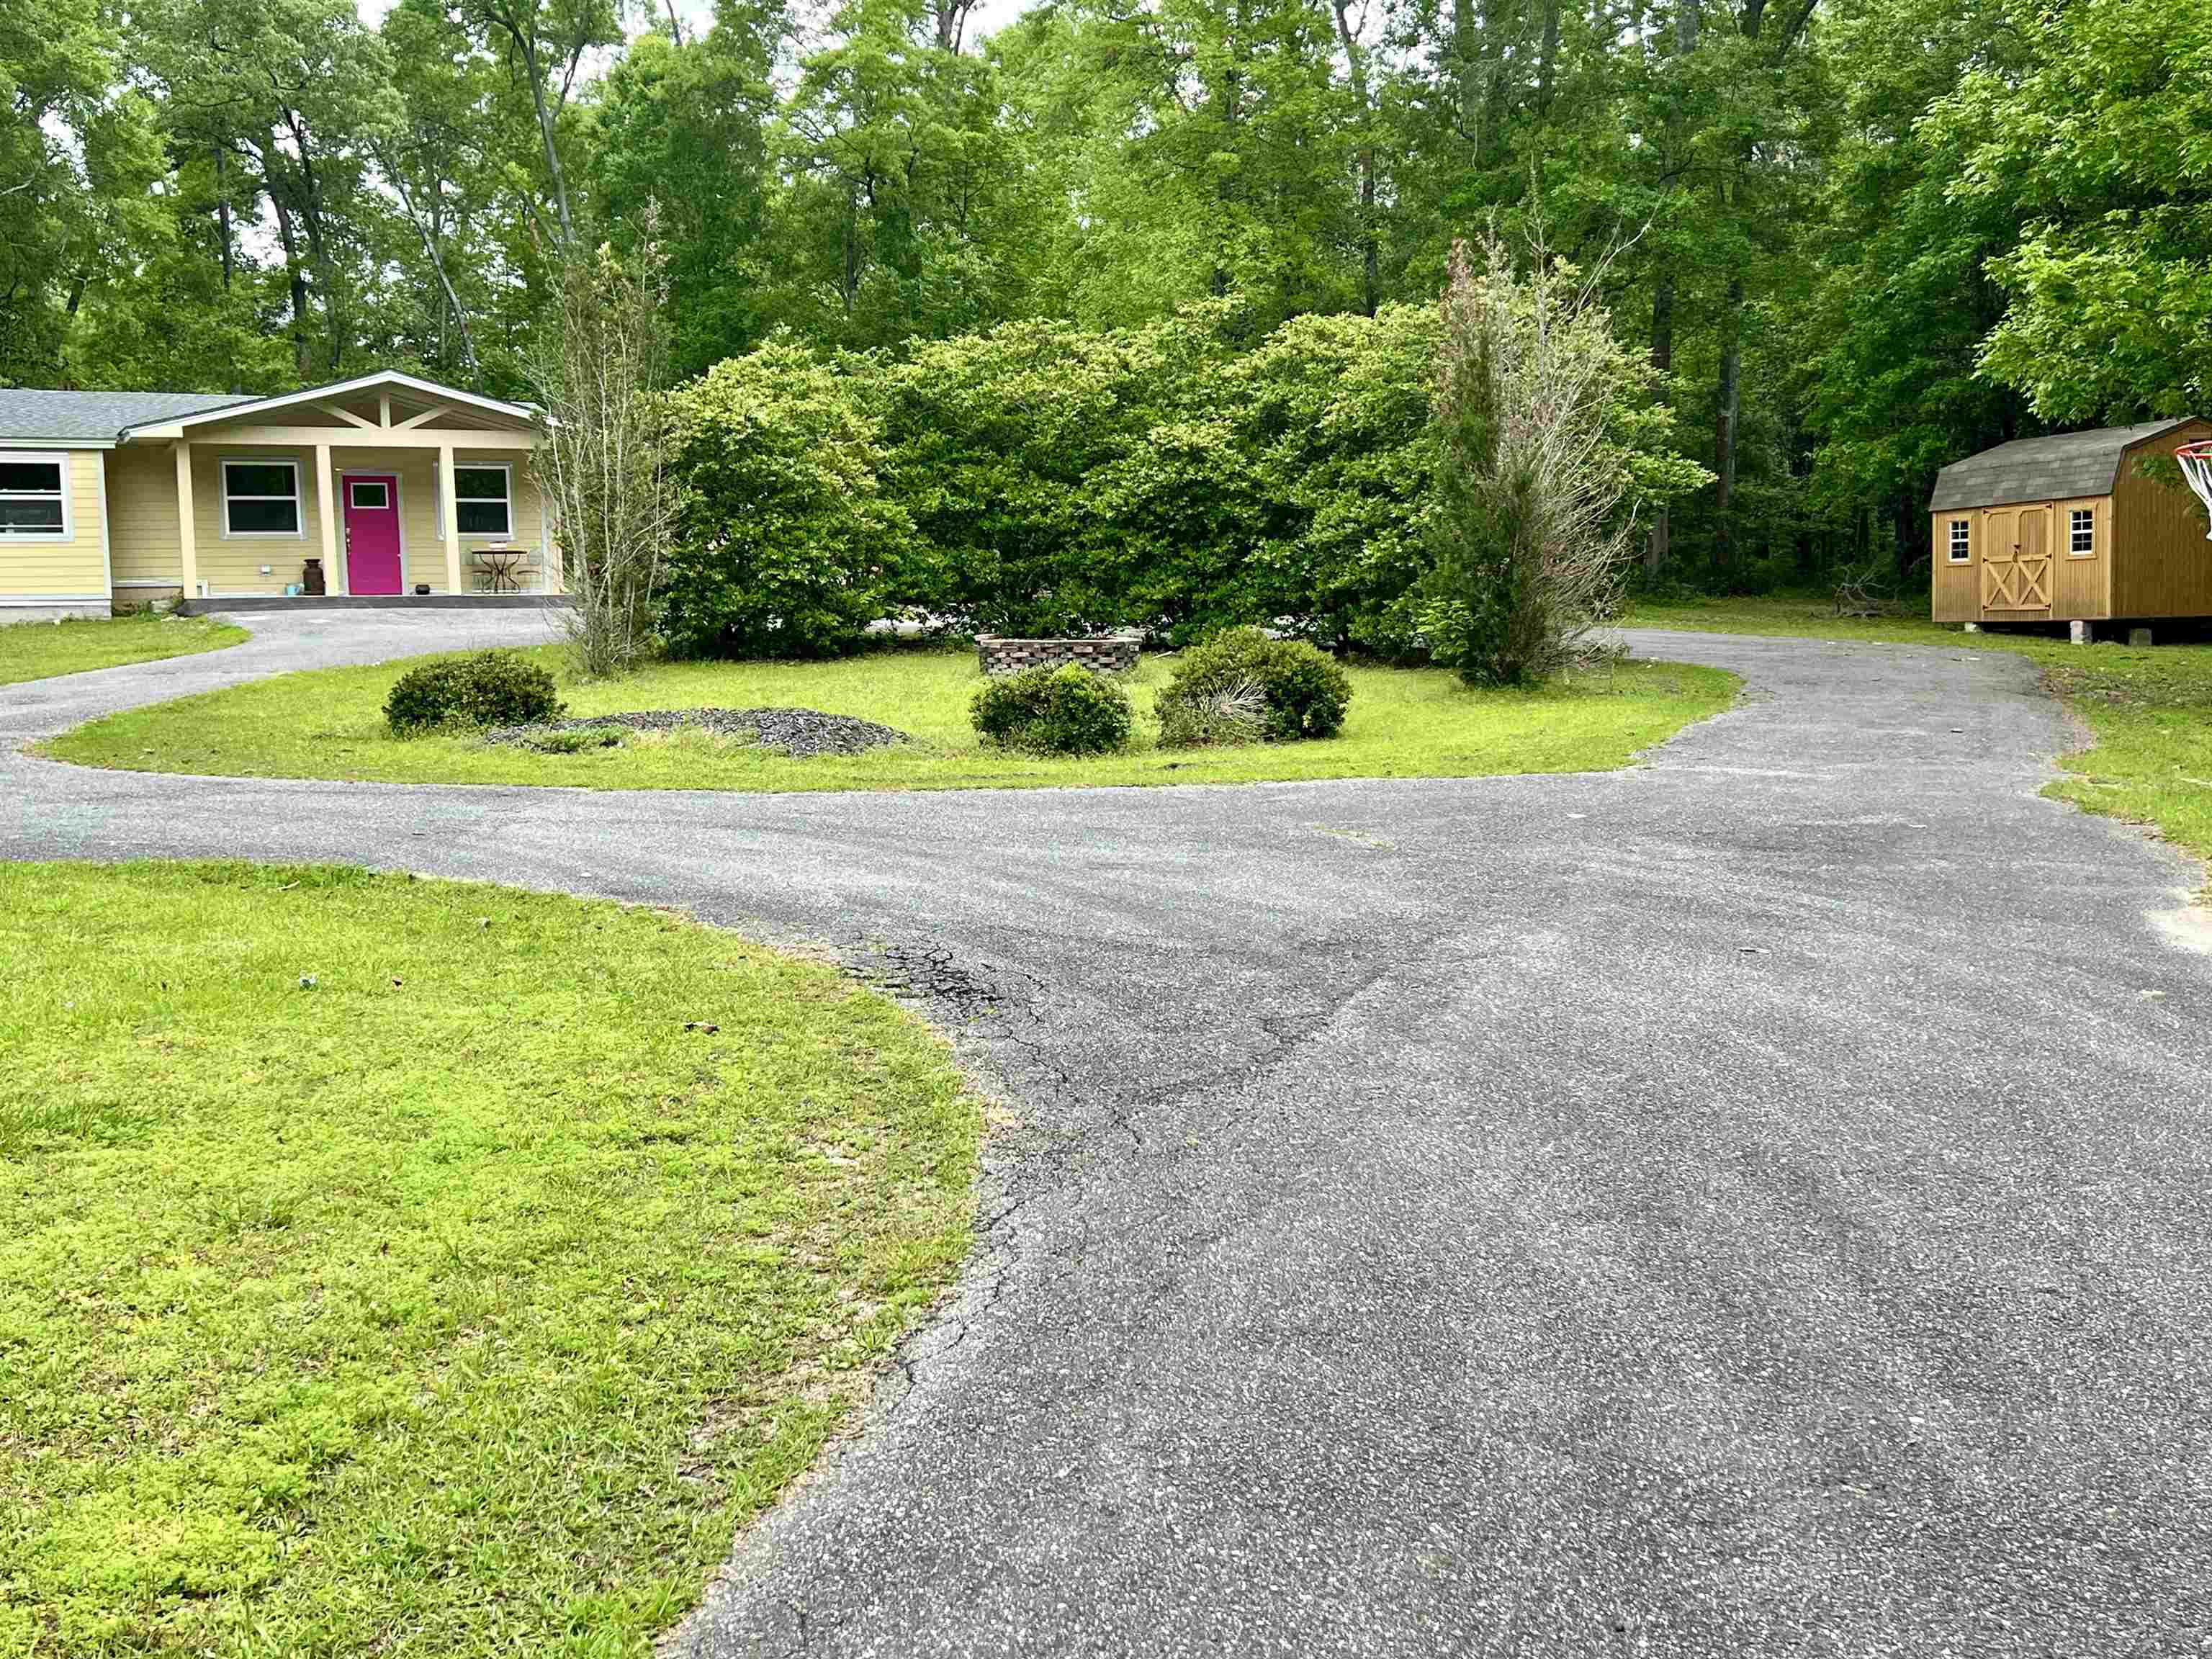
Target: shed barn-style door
pixel 2016 558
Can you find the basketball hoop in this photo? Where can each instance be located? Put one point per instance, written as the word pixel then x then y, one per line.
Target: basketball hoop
pixel 2196 467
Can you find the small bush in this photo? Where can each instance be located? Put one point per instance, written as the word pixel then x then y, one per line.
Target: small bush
pixel 1304 689
pixel 1053 711
pixel 1235 713
pixel 485 688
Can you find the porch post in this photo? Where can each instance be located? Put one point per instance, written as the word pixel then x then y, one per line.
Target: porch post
pixel 187 547
pixel 333 578
pixel 452 518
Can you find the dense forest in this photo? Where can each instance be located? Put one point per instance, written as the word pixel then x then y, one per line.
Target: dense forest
pixel 1859 237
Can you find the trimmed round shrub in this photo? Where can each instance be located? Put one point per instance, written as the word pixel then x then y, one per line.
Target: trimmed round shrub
pixel 1053 711
pixel 1304 691
pixel 485 688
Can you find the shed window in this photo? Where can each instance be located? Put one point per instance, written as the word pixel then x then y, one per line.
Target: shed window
pixel 1961 542
pixel 33 498
pixel 261 498
pixel 2081 533
pixel 482 502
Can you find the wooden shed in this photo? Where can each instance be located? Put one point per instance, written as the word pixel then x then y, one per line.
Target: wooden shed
pixel 2060 529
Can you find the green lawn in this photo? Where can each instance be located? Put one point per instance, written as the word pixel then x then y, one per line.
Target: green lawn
pixel 402 1267
pixel 1404 723
pixel 1791 616
pixel 2149 708
pixel 37 651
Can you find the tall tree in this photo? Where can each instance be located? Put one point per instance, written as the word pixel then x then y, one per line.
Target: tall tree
pixel 544 43
pixel 687 126
pixel 78 152
pixel 2101 144
pixel 293 96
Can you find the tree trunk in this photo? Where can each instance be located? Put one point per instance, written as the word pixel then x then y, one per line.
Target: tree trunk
pixel 1728 396
pixel 1463 62
pixel 1662 360
pixel 1547 57
pixel 1370 261
pixel 310 209
pixel 297 277
pixel 223 217
pixel 1492 127
pixel 849 286
pixel 431 239
pixel 526 43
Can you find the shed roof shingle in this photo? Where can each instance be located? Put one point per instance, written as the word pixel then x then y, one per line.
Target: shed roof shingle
pixel 65 417
pixel 2041 469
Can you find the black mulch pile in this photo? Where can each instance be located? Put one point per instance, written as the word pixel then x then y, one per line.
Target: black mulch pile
pixel 795 731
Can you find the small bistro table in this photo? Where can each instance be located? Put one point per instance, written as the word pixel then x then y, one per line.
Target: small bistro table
pixel 502 568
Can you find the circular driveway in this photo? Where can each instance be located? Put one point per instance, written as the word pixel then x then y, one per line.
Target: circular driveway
pixel 1753 1203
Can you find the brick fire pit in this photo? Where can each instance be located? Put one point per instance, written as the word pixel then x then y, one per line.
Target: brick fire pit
pixel 1000 655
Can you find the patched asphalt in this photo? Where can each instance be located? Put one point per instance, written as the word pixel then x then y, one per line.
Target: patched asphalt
pixel 1753 1203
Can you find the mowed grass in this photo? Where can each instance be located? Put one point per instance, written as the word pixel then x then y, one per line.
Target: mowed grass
pixel 385 1267
pixel 1404 723
pixel 2149 708
pixel 37 651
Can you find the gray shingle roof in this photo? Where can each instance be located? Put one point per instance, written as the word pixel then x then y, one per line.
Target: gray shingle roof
pixel 2041 469
pixel 64 417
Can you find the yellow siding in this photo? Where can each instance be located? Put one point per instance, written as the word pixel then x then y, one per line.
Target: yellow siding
pixel 422 547
pixel 74 569
pixel 1955 596
pixel 142 516
pixel 141 483
pixel 232 564
pixel 2164 563
pixel 2081 586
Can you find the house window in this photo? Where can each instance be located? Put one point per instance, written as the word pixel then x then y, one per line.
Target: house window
pixel 482 501
pixel 369 497
pixel 2081 533
pixel 261 498
pixel 1961 542
pixel 34 498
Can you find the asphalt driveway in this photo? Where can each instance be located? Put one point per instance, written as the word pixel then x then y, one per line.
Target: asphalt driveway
pixel 1756 1203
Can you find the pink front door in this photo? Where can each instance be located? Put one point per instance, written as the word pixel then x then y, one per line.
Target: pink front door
pixel 372 530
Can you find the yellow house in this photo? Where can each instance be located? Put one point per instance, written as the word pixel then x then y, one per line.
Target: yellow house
pixel 114 499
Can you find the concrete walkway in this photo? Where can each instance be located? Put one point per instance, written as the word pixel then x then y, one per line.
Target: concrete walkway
pixel 1757 1203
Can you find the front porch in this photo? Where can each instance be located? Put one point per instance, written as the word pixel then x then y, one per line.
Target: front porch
pixel 265 602
pixel 386 489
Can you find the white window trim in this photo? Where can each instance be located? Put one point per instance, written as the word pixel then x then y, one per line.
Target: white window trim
pixel 60 458
pixel 384 505
pixel 222 466
pixel 1960 549
pixel 505 468
pixel 2090 513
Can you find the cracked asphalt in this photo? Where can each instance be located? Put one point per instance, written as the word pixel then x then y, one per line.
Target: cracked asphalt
pixel 1754 1203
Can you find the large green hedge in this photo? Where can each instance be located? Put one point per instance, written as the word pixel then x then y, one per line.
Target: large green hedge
pixel 787 545
pixel 1048 479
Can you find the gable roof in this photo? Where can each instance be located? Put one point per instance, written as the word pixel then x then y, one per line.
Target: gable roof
pixel 389 378
pixel 2041 469
pixel 99 420
pixel 94 418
